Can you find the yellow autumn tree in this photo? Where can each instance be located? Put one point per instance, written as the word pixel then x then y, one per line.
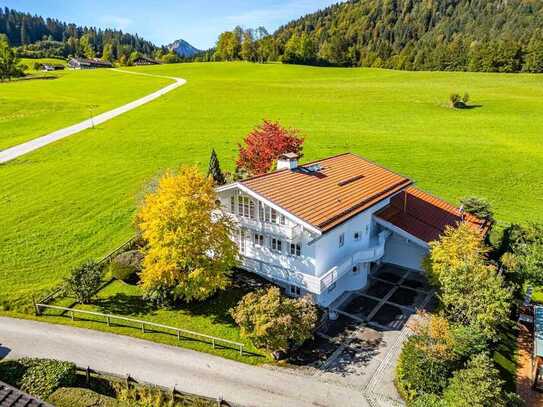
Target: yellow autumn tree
pixel 189 252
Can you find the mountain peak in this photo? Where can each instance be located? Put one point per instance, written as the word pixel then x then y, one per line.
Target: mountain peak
pixel 183 48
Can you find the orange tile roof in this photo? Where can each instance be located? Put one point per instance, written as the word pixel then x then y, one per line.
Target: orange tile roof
pixel 425 216
pixel 344 186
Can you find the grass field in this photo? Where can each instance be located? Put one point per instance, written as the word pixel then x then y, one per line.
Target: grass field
pixel 32 108
pixel 76 199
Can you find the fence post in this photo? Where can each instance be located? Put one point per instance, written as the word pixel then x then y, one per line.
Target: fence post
pixel 72 315
pixel 142 327
pixel 178 335
pixel 213 342
pixel 87 375
pixel 36 308
pixel 241 350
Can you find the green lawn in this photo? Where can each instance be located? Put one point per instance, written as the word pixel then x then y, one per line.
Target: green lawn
pixel 33 108
pixel 210 317
pixel 76 199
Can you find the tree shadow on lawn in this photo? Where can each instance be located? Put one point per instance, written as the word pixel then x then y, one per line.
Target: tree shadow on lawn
pixel 504 354
pixel 218 306
pixel 122 304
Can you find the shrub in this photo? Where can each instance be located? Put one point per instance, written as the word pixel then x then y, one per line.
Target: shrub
pixel 273 321
pixel 418 372
pixel 84 281
pixel 479 384
pixel 75 396
pixel 478 207
pixel 38 377
pixel 428 400
pixel 120 272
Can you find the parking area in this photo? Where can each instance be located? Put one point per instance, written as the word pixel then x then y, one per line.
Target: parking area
pixel 392 296
pixel 361 347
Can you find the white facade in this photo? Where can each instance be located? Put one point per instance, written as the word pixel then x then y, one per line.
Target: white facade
pixel 286 250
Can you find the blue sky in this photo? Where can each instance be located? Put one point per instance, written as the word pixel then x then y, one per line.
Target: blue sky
pixel 197 21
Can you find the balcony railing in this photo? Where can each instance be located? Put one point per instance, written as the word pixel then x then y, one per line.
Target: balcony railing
pixel 316 284
pixel 289 232
pixel 374 252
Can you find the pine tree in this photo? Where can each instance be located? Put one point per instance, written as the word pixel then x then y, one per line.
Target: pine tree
pixel 215 169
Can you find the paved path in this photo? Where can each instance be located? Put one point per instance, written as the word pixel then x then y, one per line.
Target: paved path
pixel 187 370
pixel 24 148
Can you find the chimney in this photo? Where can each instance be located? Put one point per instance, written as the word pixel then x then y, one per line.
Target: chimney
pixel 287 161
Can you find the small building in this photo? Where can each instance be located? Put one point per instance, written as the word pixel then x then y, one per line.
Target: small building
pixel 82 63
pixel 143 60
pixel 537 361
pixel 323 227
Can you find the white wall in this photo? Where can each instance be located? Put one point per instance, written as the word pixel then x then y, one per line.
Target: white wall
pixel 400 251
pixel 327 250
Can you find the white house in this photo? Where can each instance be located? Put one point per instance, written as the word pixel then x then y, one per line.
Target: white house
pixel 320 227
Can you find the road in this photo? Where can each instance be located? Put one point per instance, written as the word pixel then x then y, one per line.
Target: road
pixel 24 148
pixel 187 370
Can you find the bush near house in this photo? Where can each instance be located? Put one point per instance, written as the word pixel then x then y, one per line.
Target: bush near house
pixel 273 321
pixel 84 281
pixel 38 377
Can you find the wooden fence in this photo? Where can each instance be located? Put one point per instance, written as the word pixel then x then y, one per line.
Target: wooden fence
pixel 109 318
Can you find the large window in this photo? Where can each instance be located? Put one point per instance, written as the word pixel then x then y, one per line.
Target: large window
pixel 295 249
pixel 246 207
pixel 270 215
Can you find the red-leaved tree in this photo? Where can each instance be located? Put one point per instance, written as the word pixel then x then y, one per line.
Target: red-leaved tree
pixel 263 146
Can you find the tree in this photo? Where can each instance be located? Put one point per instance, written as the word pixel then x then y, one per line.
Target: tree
pixel 84 281
pixel 475 206
pixel 273 321
pixel 420 372
pixel 471 291
pixel 9 63
pixel 86 46
pixel 522 248
pixel 248 47
pixel 107 53
pixel 189 252
pixel 263 146
pixel 478 385
pixel 215 169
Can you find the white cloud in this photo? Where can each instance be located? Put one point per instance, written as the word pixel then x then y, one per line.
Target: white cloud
pixel 120 23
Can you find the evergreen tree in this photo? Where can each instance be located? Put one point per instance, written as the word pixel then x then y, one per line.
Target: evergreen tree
pixel 215 169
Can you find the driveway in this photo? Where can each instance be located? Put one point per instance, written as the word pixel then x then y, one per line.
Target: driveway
pixel 24 148
pixel 187 370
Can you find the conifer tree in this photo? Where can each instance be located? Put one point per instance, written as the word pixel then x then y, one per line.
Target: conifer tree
pixel 215 169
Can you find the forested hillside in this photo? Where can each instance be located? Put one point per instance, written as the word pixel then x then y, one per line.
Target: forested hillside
pixel 38 37
pixel 475 35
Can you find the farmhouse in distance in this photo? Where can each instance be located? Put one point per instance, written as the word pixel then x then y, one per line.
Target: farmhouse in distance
pixel 323 227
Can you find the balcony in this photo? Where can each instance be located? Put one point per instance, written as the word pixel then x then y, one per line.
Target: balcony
pixel 292 233
pixel 312 283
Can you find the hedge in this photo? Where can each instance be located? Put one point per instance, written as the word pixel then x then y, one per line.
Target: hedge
pixel 38 377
